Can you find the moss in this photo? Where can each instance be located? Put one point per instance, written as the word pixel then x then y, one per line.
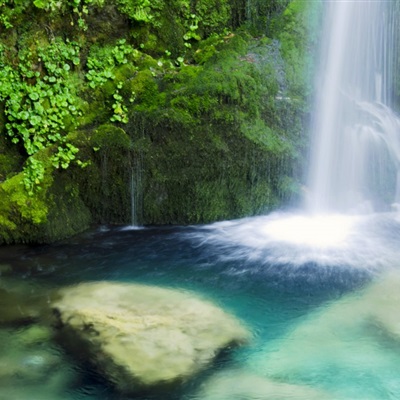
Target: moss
pixel 210 137
pixel 296 30
pixel 10 159
pixel 53 214
pixel 54 211
pixel 217 148
pixel 104 183
pixel 213 16
pixel 67 214
pixel 197 176
pixel 208 47
pixel 144 89
pixel 125 73
pixel 20 214
pixel 109 138
pixel 146 61
pixel 105 24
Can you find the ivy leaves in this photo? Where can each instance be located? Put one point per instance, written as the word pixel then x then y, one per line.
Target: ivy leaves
pixel 78 7
pixel 10 10
pixel 101 66
pixel 40 102
pixel 42 4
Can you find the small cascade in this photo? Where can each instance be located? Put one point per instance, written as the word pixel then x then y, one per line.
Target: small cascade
pixel 134 220
pixel 136 192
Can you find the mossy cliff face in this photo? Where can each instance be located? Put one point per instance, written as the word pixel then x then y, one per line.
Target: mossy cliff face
pixel 171 112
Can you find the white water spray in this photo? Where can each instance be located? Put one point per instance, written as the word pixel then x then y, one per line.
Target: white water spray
pixel 356 136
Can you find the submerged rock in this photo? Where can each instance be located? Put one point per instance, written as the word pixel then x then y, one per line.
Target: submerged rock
pixel 29 359
pixel 141 335
pixel 34 334
pixel 21 301
pixel 349 340
pixel 384 305
pixel 238 385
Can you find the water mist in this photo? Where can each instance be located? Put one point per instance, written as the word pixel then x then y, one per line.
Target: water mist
pixel 356 136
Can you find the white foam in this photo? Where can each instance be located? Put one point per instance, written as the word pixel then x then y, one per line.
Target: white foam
pixel 362 241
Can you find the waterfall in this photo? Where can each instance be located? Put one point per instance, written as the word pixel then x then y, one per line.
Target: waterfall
pixel 355 156
pixel 355 159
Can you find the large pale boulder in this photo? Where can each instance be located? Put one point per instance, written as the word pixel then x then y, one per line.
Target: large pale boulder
pixel 140 335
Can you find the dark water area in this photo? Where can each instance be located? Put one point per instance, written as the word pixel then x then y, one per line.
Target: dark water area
pixel 273 300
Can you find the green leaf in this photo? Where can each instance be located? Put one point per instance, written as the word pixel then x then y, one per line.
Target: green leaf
pixel 39 108
pixel 35 120
pixel 24 115
pixel 34 96
pixel 40 3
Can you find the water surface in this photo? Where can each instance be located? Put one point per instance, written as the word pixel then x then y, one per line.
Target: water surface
pixel 302 310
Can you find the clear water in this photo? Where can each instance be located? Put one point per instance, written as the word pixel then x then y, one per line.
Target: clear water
pixel 309 326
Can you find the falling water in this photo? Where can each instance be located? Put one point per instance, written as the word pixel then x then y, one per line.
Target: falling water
pixel 136 191
pixel 133 191
pixel 356 147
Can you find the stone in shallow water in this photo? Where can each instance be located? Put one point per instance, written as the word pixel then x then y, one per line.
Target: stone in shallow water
pixel 140 335
pixel 238 385
pixel 384 304
pixel 34 334
pixel 30 366
pixel 22 301
pixel 342 345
